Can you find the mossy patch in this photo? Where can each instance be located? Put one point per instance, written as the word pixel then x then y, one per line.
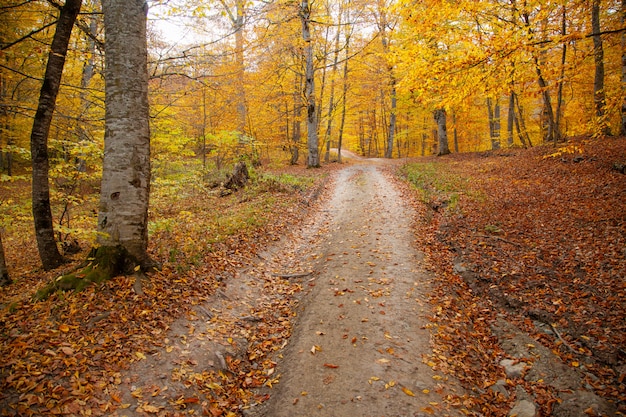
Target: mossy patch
pixel 102 264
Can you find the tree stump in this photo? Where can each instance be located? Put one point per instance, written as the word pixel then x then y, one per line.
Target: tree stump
pixel 237 179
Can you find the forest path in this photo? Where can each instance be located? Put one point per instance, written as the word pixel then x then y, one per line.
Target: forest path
pixel 359 340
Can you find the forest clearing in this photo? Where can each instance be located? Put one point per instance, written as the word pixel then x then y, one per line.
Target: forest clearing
pixel 265 208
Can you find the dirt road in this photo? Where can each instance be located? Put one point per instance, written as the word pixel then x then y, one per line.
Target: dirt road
pixel 357 348
pixel 359 337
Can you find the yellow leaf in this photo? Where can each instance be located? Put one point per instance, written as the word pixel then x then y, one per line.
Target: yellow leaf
pixel 426 391
pixel 576 364
pixel 140 355
pixel 64 328
pixel 150 408
pixel 408 392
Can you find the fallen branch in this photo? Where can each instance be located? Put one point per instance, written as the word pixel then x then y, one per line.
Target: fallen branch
pixel 287 276
pixel 501 239
pixel 556 332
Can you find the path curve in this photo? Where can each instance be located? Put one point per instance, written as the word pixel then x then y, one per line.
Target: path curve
pixel 358 345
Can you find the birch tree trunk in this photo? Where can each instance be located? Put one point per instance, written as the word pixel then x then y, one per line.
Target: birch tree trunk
pixel 599 96
pixel 442 132
pixel 124 197
pixel 42 212
pixel 313 159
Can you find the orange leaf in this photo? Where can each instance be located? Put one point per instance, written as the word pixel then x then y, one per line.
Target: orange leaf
pixel 408 392
pixel 330 365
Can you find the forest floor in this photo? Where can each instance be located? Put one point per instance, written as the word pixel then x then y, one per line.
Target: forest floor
pixel 493 287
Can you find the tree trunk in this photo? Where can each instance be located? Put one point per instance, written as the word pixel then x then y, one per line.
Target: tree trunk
pixel 623 110
pixel 313 159
pixel 344 94
pixel 4 272
pixel 559 96
pixel 382 29
pixel 392 118
pixel 510 120
pixel 125 190
pixel 599 96
pixel 42 212
pixel 455 133
pixel 297 123
pixel 520 124
pixel 548 123
pixel 494 123
pixel 442 132
pixel 331 99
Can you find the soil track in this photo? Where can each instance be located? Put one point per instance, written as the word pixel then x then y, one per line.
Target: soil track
pixel 353 277
pixel 359 341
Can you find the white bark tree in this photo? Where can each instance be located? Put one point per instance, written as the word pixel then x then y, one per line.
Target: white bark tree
pixel 313 159
pixel 124 198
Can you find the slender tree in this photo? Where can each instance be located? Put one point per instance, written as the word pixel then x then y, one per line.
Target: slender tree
pixel 4 271
pixel 599 96
pixel 623 89
pixel 42 212
pixel 623 86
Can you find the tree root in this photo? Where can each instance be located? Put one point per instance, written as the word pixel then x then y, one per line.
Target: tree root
pixel 102 264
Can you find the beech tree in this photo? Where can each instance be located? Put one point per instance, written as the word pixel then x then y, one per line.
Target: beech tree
pixel 125 190
pixel 42 212
pixel 599 95
pixel 442 132
pixel 313 159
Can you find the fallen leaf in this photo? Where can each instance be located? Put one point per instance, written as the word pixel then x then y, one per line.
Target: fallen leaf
pixel 149 408
pixel 330 365
pixel 408 392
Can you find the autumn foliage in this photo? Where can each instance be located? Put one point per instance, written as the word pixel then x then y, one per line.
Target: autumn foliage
pixel 536 237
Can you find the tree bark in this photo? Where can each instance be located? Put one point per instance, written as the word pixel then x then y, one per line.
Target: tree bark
pixel 510 120
pixel 344 94
pixel 331 100
pixel 4 271
pixel 442 132
pixel 623 41
pixel 125 190
pixel 548 122
pixel 42 212
pixel 494 122
pixel 559 94
pixel 599 96
pixel 313 159
pixel 297 123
